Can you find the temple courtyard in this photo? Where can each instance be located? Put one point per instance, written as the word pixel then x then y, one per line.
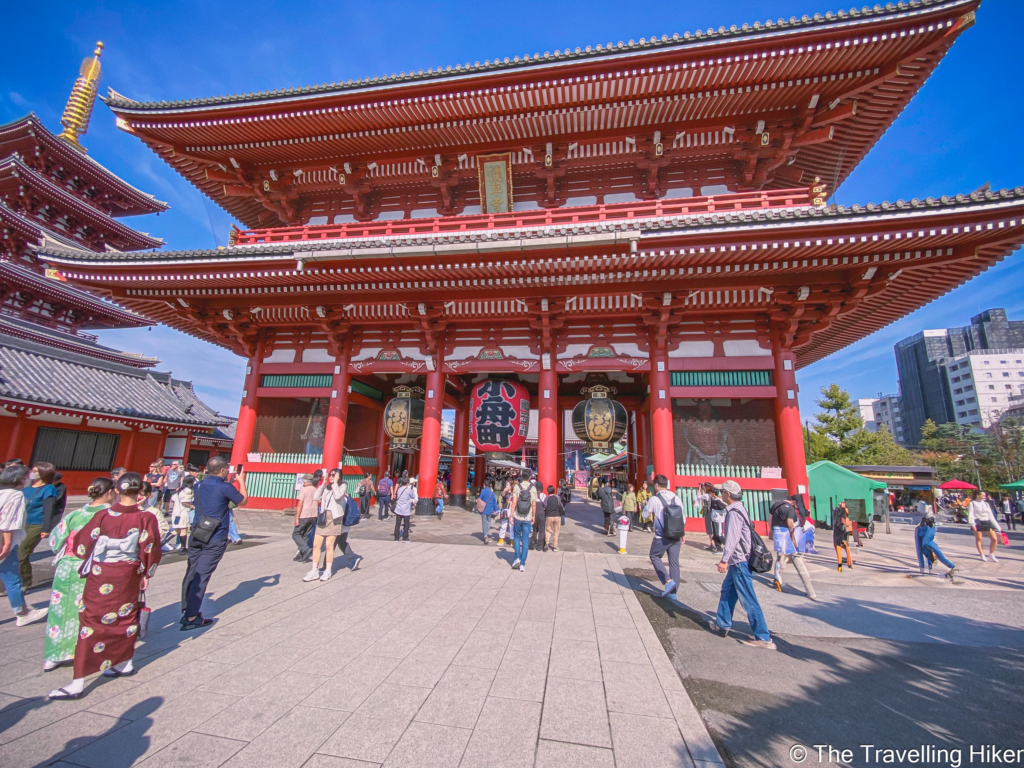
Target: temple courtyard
pixel 436 653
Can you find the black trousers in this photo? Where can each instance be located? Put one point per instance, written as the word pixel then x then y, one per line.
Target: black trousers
pixel 539 535
pixel 364 505
pixel 402 521
pixel 203 560
pixel 300 534
pixel 382 507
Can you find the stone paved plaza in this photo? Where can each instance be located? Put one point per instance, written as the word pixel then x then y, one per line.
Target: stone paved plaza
pixel 435 653
pixel 427 655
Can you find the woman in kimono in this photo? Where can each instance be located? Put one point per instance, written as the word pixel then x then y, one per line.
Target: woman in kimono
pixel 66 594
pixel 120 549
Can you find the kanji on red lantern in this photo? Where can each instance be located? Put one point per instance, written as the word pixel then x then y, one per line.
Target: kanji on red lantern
pixel 499 415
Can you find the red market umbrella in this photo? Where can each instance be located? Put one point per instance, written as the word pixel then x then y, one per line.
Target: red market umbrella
pixel 957 485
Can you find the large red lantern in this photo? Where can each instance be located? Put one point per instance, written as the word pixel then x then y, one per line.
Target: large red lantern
pixel 499 416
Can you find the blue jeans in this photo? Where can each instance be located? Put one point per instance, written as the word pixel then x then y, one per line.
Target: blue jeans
pixel 232 530
pixel 439 507
pixel 738 584
pixel 12 579
pixel 922 556
pixel 485 524
pixel 521 530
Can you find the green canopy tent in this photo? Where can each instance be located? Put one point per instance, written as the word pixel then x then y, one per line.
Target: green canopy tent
pixel 831 483
pixel 1018 486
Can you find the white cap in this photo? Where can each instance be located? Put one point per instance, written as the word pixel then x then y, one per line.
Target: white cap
pixel 731 486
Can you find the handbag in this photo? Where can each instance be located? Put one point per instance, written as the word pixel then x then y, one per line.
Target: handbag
pixel 1005 538
pixel 143 616
pixel 204 527
pixel 480 506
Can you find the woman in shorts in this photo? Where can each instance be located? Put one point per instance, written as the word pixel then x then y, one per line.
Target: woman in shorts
pixel 983 520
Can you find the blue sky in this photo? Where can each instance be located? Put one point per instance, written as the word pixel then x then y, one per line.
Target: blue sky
pixel 963 129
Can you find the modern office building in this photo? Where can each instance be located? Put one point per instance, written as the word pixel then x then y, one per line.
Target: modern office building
pixel 985 384
pixel 884 410
pixel 929 390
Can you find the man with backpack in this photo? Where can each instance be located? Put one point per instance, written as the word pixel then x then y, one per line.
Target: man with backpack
pixel 669 533
pixel 524 512
pixel 740 543
pixel 784 519
pixel 384 488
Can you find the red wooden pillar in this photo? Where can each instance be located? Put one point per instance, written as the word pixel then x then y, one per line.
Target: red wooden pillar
pixel 245 429
pixel 479 470
pixel 560 443
pixel 661 414
pixel 337 411
pixel 12 444
pixel 460 451
pixel 642 440
pixel 163 446
pixel 382 449
pixel 129 453
pixel 430 443
pixel 788 434
pixel 547 429
pixel 184 455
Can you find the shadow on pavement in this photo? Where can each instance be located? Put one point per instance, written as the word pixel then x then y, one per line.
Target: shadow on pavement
pixel 948 682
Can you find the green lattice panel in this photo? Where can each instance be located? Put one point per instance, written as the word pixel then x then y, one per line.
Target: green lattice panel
pixel 271 485
pixel 757 503
pixel 366 390
pixel 722 379
pixel 296 380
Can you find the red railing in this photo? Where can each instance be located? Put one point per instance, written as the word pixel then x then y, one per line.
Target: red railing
pixel 681 206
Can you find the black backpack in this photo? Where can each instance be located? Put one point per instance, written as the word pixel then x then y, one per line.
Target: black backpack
pixel 761 559
pixel 524 504
pixel 673 519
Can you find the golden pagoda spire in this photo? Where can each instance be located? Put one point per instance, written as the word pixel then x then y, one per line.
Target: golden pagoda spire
pixel 83 96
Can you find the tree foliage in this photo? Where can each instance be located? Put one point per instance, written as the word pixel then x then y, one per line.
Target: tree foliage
pixel 840 435
pixel 996 456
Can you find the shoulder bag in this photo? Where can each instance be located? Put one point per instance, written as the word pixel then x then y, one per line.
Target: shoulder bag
pixel 204 527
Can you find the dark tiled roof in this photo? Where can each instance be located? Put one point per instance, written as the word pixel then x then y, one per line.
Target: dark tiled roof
pixel 33 373
pixel 660 224
pixel 52 337
pixel 734 32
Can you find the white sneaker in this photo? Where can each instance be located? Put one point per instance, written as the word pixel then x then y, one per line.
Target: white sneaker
pixel 515 563
pixel 522 569
pixel 993 558
pixel 327 575
pixel 313 575
pixel 32 616
pixel 669 587
pixel 984 558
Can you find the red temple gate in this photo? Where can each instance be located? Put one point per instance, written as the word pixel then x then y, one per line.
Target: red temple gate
pixel 669 237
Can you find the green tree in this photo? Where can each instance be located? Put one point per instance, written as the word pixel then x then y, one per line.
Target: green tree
pixel 1002 455
pixel 840 435
pixel 839 416
pixel 884 450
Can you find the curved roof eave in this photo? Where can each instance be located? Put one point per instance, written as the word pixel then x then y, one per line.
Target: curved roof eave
pixel 538 63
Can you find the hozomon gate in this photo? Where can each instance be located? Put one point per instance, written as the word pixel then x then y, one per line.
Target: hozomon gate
pixel 651 216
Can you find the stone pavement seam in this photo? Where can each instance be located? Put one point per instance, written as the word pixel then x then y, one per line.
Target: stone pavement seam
pixel 692 727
